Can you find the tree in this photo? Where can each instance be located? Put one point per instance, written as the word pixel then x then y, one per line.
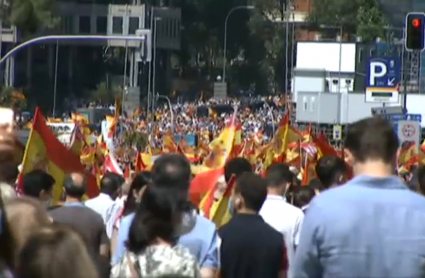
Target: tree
pixel 13 98
pixel 29 15
pixel 135 138
pixel 362 18
pixel 105 94
pixel 268 33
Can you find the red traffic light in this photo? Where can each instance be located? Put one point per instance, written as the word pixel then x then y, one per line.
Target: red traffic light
pixel 416 23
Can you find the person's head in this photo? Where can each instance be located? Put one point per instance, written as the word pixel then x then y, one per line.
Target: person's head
pixel 9 172
pixel 157 217
pixel 302 196
pixel 235 167
pixel 316 185
pixel 111 183
pixel 249 193
pixel 75 185
pixel 331 171
pixel 172 171
pixel 371 147
pixel 38 184
pixel 279 178
pixel 138 185
pixel 55 251
pixel 23 216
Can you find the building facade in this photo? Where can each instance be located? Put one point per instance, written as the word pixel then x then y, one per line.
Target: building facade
pixel 71 64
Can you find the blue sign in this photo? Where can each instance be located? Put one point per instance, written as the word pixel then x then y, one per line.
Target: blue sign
pixel 383 74
pixel 395 118
pixel 403 117
pixel 190 138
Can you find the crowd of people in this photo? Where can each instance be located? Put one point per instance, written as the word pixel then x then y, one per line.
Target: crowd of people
pixel 356 219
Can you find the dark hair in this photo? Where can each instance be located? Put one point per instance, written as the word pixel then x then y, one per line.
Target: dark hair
pixel 111 183
pixel 421 179
pixel 156 217
pixel 329 169
pixel 278 175
pixel 141 180
pixel 75 188
pixel 372 139
pixel 172 171
pixel 316 184
pixel 37 181
pixel 303 195
pixel 9 172
pixel 235 167
pixel 253 189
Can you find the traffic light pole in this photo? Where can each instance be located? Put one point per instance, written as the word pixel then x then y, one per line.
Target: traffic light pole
pixel 67 38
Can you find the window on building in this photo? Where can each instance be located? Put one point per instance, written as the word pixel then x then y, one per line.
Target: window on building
pixel 133 25
pixel 101 24
pixel 360 58
pixel 84 25
pixel 167 28
pixel 5 25
pixel 177 28
pixel 67 24
pixel 117 25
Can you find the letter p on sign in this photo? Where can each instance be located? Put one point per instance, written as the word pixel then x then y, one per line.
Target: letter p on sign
pixel 377 70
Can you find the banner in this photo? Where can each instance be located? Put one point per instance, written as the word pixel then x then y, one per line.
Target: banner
pixel 63 131
pixel 191 139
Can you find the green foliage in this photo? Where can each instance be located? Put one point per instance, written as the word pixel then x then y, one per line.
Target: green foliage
pixel 362 18
pixel 105 94
pixel 30 15
pixel 135 138
pixel 371 22
pixel 12 98
pixel 267 28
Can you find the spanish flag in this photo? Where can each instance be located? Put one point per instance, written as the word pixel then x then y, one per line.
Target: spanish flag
pixel 44 151
pixel 117 107
pixel 78 118
pixel 221 147
pixel 112 122
pixel 212 113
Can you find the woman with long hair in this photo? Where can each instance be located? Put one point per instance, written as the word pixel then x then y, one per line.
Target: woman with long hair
pixel 138 185
pixel 151 248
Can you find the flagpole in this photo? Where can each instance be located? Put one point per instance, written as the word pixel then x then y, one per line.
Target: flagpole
pixel 301 157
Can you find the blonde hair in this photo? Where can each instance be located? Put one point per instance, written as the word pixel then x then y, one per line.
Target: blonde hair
pixel 55 251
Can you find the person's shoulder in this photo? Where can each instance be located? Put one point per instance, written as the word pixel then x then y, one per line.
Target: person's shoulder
pixel 205 222
pixel 293 210
pixel 269 232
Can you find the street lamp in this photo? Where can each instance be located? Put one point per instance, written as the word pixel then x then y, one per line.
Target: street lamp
pixel 225 36
pixel 171 110
pixel 156 19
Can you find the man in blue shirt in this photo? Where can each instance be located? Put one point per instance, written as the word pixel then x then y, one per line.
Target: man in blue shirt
pixel 197 233
pixel 373 226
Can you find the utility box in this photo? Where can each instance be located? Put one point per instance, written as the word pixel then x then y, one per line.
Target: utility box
pixel 318 107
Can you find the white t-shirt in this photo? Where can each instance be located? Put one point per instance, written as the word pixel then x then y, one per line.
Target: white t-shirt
pixel 286 219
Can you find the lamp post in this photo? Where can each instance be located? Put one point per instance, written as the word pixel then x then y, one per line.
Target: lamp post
pixel 156 19
pixel 171 110
pixel 225 36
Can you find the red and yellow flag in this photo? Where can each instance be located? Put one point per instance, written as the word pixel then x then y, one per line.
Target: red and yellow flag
pixel 44 151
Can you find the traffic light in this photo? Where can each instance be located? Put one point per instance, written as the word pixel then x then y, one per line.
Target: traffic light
pixel 145 49
pixel 415 31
